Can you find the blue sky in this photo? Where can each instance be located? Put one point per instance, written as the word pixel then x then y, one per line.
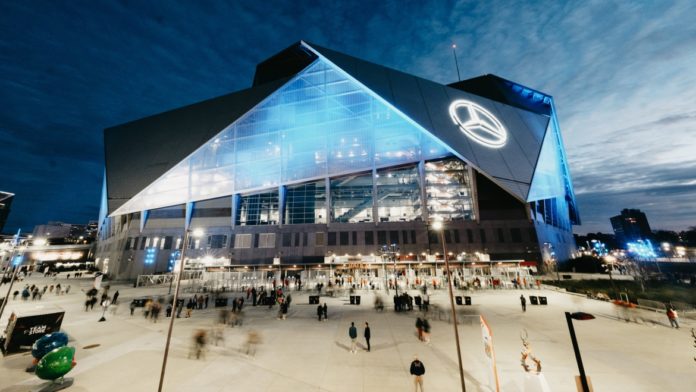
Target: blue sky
pixel 623 76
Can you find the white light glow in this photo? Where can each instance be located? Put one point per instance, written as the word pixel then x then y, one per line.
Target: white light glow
pixel 480 126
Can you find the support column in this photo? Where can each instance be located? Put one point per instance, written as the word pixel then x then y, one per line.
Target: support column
pixel 327 185
pixel 375 216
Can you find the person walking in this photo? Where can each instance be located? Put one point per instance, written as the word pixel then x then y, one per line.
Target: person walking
pixel 673 317
pixel 367 335
pixel 114 300
pixel 353 334
pixel 523 302
pixel 419 328
pixel 320 312
pixel 325 310
pixel 132 307
pixel 417 370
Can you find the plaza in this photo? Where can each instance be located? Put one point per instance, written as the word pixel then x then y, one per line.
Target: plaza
pixel 302 354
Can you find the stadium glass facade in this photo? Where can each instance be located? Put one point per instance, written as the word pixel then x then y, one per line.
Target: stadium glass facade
pixel 324 165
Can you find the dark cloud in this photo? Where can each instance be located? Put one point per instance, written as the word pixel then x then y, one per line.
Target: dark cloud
pixel 621 74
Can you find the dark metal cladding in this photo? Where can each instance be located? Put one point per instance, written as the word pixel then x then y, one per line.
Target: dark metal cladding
pixel 284 64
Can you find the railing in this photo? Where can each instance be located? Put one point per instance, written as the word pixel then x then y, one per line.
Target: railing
pixel 164 279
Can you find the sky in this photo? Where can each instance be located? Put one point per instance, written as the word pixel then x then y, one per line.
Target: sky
pixel 622 74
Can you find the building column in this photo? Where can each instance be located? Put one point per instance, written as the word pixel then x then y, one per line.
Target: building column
pixel 375 216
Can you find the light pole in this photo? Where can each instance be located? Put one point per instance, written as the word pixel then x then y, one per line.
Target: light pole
pixel 569 318
pixel 187 233
pixel 16 244
pixel 437 225
pixel 391 252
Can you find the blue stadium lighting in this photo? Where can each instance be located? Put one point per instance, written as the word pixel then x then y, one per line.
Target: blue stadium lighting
pixel 641 249
pixel 150 255
pixel 172 260
pixel 17 260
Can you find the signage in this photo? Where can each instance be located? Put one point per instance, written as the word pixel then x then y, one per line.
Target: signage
pixel 478 124
pixel 22 332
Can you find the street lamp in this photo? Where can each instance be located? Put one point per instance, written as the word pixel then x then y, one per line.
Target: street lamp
pixel 438 226
pixel 16 244
pixel 569 318
pixel 197 233
pixel 391 252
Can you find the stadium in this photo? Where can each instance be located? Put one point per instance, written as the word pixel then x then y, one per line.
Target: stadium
pixel 330 164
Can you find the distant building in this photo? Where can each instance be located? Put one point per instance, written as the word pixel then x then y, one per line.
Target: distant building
pixel 632 225
pixel 66 233
pixel 5 203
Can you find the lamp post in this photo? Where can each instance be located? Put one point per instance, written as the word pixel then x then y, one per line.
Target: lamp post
pixel 569 318
pixel 437 225
pixel 391 252
pixel 187 233
pixel 16 244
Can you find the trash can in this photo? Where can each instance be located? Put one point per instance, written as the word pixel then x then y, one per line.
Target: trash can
pixel 534 300
pixel 467 301
pixel 352 300
pixel 542 301
pixel 458 299
pixel 220 302
pixel 357 300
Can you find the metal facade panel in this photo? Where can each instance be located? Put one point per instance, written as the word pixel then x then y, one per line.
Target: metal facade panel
pixel 139 152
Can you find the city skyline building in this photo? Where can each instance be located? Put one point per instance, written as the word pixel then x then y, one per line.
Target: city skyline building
pixel 631 225
pixel 328 157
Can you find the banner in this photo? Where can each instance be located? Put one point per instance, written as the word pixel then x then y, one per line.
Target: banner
pixel 490 354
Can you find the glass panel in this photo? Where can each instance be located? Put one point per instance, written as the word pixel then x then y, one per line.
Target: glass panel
pixel 351 198
pixel 305 203
pixel 398 194
pixel 448 187
pixel 258 209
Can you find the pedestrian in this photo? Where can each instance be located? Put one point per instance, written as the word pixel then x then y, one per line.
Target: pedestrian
pixel 199 341
pixel 419 328
pixel 253 296
pixel 234 305
pixel 67 290
pixel 353 334
pixel 115 299
pixel 169 310
pixel 417 370
pixel 326 312
pixel 426 330
pixel 523 301
pixel 132 307
pixel 320 311
pixel 673 317
pixel 15 294
pixel 207 298
pixel 253 339
pixel 367 335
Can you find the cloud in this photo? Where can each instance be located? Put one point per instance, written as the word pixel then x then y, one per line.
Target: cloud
pixel 621 75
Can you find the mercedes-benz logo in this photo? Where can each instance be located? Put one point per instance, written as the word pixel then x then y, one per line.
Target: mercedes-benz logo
pixel 478 123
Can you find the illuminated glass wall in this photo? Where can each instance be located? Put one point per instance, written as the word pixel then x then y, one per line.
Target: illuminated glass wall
pixel 351 198
pixel 448 189
pixel 398 194
pixel 305 203
pixel 320 124
pixel 258 209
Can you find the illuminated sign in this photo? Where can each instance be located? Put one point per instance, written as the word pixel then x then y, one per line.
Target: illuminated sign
pixel 478 123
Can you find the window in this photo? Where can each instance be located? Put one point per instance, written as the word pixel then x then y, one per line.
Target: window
pixel 304 239
pixel 332 238
pixel 167 243
pixel 343 236
pixel 483 236
pixel 369 238
pixel 144 241
pixel 305 203
pixel 178 243
pixel 355 238
pixel 501 235
pixel 470 235
pixel 351 198
pixel 217 241
pixel 267 240
pixel 393 237
pixel 128 243
pixel 297 239
pixel 135 243
pixel 319 239
pixel 516 235
pixel 413 237
pixel 287 240
pixel 433 237
pixel 448 236
pixel 258 209
pixel 398 194
pixel 381 237
pixel 457 240
pixel 448 189
pixel 242 241
pixel 404 235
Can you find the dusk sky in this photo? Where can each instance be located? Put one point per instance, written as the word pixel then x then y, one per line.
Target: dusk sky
pixel 623 76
